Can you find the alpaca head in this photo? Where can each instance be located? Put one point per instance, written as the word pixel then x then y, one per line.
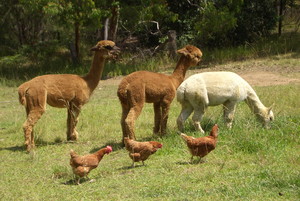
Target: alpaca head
pixel 266 116
pixel 106 48
pixel 191 52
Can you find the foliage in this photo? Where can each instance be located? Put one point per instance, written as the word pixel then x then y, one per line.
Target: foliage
pixel 148 20
pixel 257 18
pixel 214 24
pixel 70 25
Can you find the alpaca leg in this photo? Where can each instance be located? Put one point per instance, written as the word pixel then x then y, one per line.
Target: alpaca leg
pixel 35 108
pixel 229 109
pixel 33 116
pixel 133 114
pixel 157 118
pixel 165 115
pixel 73 113
pixel 125 112
pixel 198 114
pixel 186 111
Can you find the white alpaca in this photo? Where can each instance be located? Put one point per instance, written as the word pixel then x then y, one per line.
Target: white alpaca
pixel 214 88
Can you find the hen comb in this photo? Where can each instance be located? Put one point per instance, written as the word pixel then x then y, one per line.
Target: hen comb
pixel 109 148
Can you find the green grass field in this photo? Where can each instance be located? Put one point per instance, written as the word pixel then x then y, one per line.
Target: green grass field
pixel 249 163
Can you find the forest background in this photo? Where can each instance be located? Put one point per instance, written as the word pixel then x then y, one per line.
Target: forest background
pixel 53 36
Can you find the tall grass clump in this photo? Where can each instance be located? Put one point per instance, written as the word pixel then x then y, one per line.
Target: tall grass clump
pixel 262 47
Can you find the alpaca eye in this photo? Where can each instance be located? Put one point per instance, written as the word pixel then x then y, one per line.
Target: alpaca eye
pixel 108 47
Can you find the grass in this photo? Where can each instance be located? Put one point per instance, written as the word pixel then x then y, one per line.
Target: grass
pixel 249 163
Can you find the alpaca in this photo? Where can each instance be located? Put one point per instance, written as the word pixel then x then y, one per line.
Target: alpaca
pixel 62 91
pixel 143 86
pixel 214 88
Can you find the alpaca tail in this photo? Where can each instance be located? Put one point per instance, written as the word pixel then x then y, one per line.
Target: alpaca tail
pixel 22 92
pixel 122 92
pixel 180 94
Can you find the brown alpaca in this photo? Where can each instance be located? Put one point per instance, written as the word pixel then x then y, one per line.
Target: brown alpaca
pixel 62 91
pixel 143 86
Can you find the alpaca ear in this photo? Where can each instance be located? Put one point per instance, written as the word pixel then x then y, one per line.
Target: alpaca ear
pixel 271 107
pixel 183 51
pixel 95 48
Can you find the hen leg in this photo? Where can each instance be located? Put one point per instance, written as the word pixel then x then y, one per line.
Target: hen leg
pixel 192 159
pixel 78 181
pixel 133 165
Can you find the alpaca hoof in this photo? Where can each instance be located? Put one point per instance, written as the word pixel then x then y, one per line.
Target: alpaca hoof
pixel 73 137
pixel 29 147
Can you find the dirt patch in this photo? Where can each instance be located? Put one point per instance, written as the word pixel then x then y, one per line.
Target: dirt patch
pixel 263 72
pixel 264 78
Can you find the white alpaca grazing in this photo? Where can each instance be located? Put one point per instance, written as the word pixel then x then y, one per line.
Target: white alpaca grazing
pixel 215 88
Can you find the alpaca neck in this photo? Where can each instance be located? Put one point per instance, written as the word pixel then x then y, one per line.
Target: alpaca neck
pixel 180 70
pixel 255 104
pixel 95 73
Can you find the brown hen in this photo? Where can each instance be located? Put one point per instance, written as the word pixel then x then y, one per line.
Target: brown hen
pixel 203 145
pixel 140 151
pixel 82 165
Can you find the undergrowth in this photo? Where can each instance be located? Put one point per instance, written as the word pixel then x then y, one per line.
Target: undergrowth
pixel 44 60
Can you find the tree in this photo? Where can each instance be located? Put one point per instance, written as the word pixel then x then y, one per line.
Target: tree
pixel 215 21
pixel 147 19
pixel 257 19
pixel 75 13
pixel 23 20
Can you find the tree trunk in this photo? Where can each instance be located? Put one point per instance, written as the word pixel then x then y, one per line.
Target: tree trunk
pixel 172 44
pixel 77 42
pixel 114 23
pixel 106 27
pixel 281 8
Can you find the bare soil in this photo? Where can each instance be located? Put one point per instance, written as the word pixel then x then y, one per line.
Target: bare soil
pixel 258 72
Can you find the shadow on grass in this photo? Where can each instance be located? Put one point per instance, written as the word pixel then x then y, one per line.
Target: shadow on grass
pixel 115 146
pixel 14 148
pixel 70 182
pixel 131 167
pixel 38 143
pixel 194 162
pixel 73 182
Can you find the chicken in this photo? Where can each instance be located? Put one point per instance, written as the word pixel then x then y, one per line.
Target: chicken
pixel 82 165
pixel 140 151
pixel 203 145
